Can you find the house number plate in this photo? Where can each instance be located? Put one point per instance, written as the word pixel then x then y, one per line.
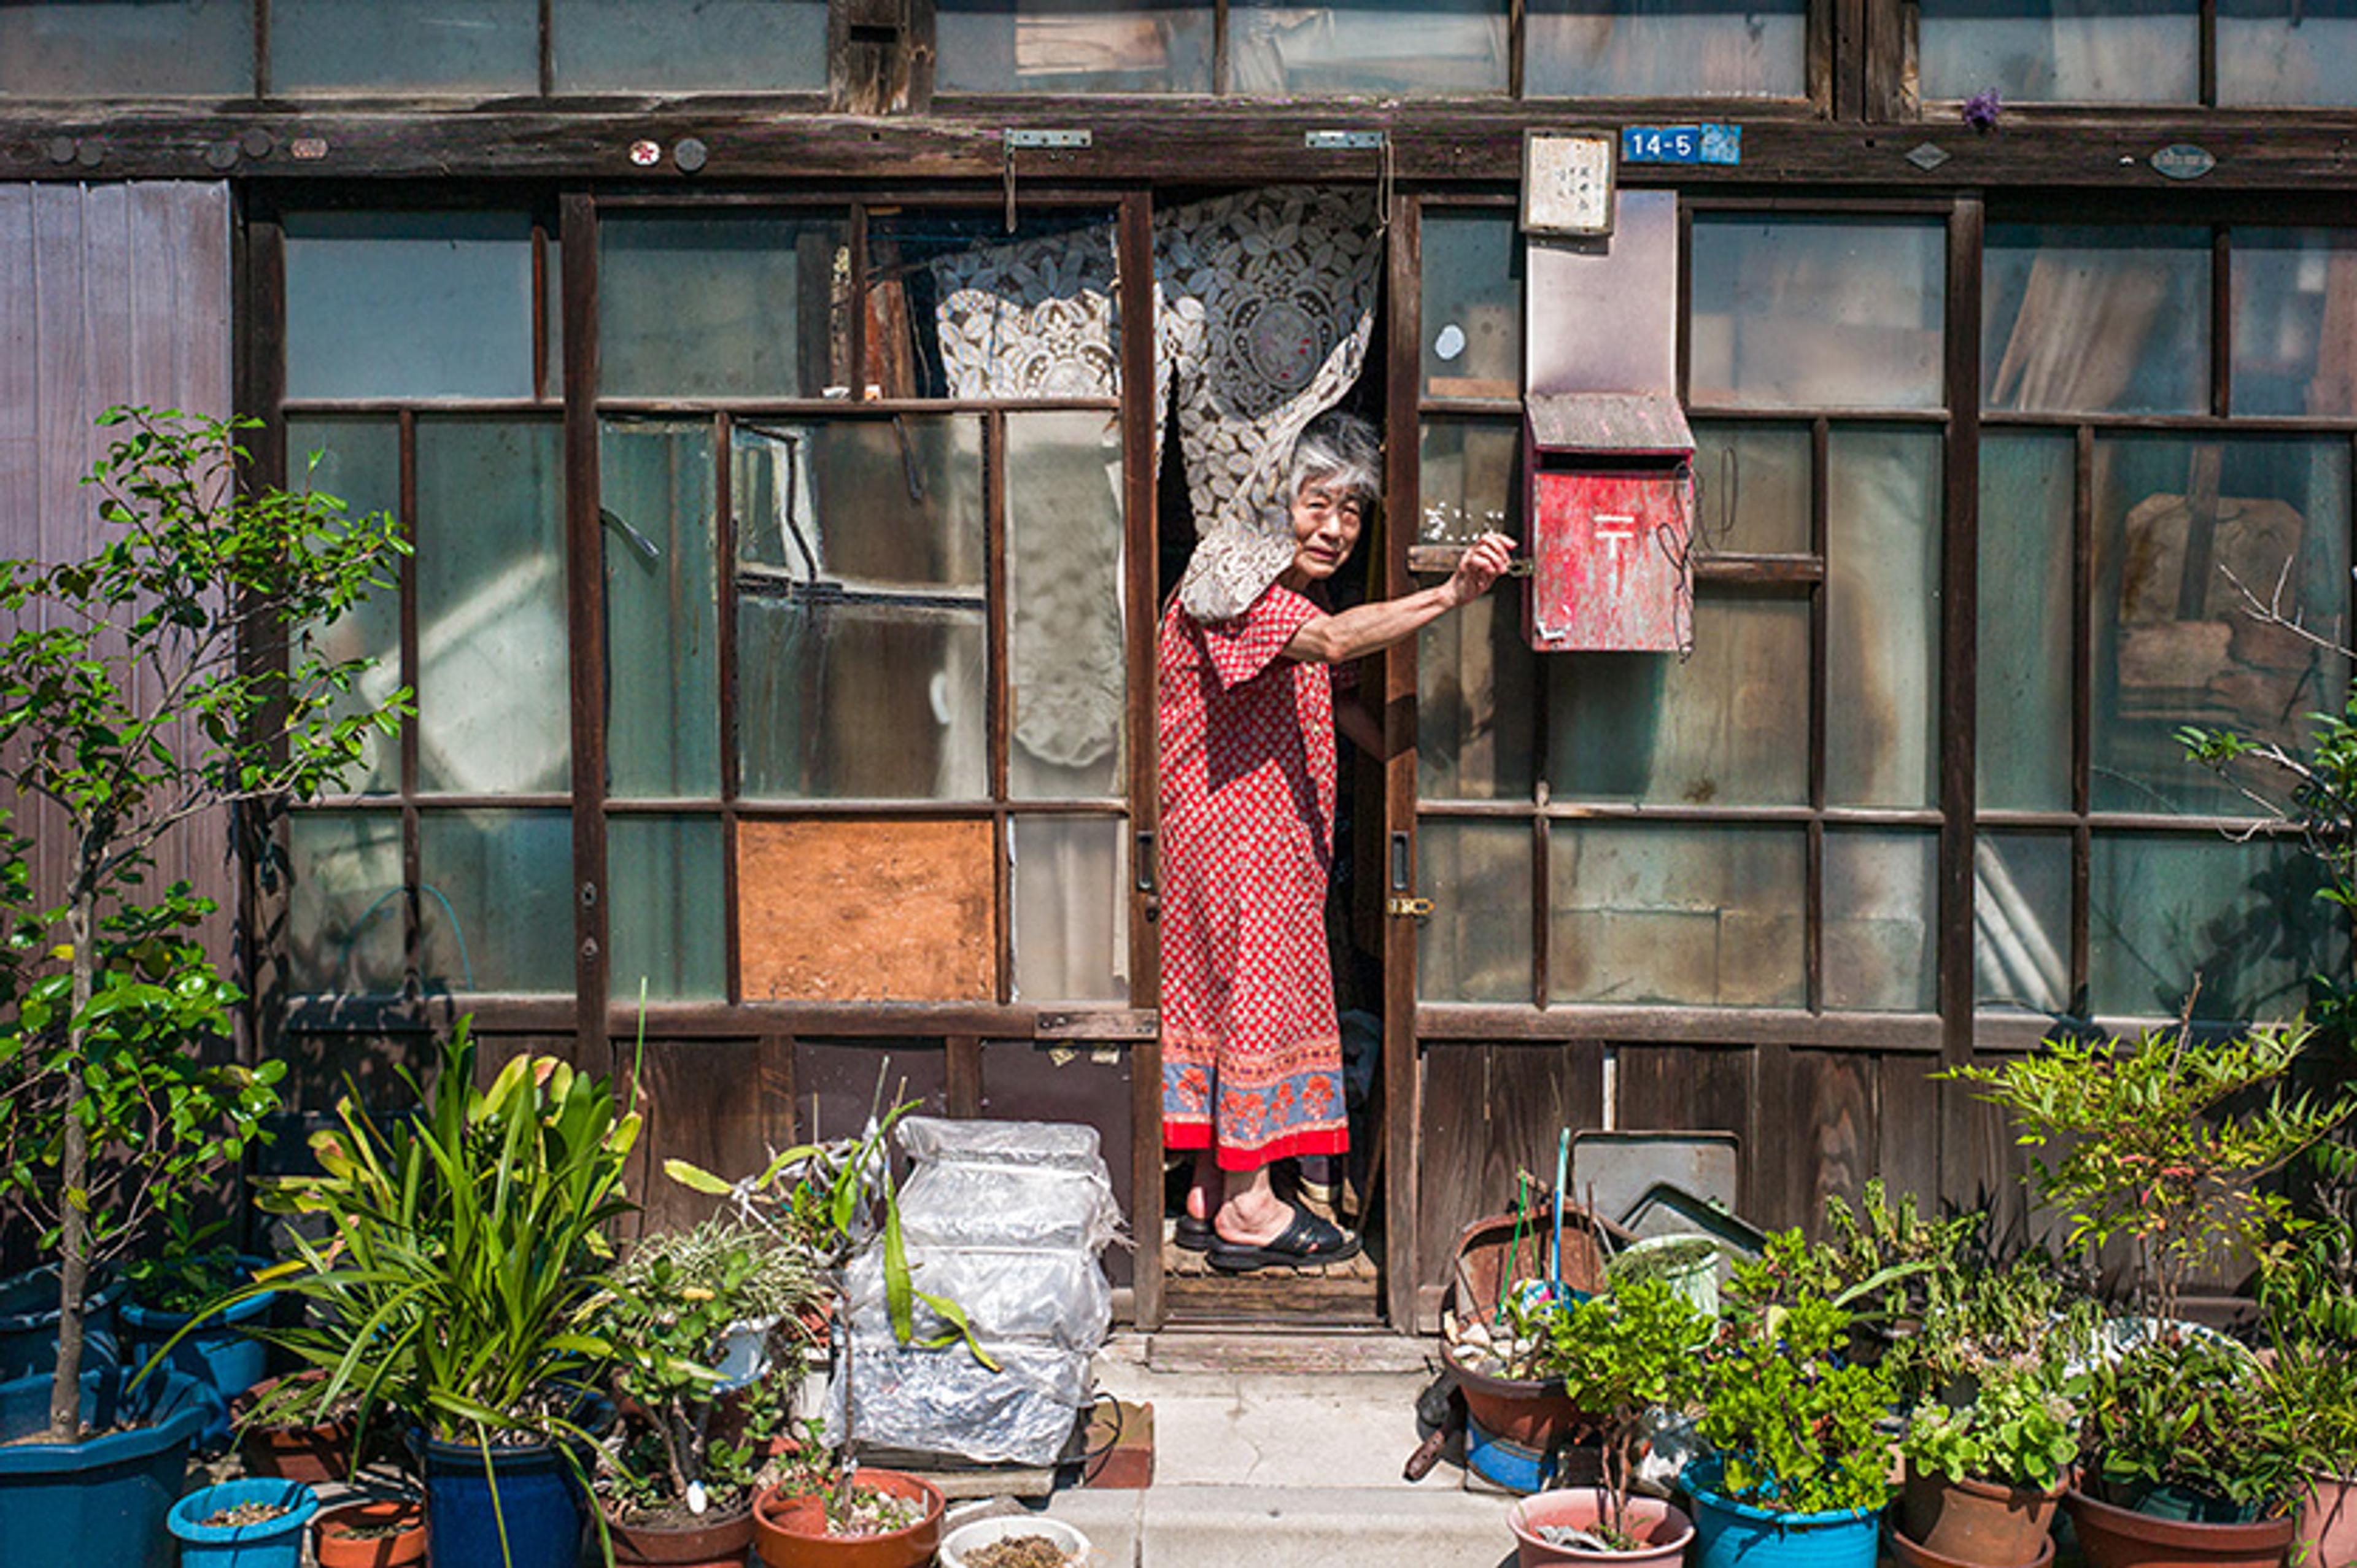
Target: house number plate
pixel 1682 143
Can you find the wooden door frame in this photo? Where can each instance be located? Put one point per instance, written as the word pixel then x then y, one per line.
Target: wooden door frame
pixel 1401 1082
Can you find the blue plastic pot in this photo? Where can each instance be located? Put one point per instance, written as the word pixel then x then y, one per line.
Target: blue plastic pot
pixel 221 1354
pixel 271 1543
pixel 103 1502
pixel 1728 1534
pixel 29 1324
pixel 539 1500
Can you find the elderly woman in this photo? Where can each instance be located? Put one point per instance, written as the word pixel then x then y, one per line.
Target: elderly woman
pixel 1251 1054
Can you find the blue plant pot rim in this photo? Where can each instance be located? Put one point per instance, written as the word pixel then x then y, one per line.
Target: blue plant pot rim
pixel 102 1292
pixel 148 1320
pixel 1699 1477
pixel 187 1518
pixel 188 1404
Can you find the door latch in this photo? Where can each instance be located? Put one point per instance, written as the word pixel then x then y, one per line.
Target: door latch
pixel 1408 907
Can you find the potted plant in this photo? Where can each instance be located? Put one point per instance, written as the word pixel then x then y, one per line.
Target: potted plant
pixel 169 675
pixel 243 1524
pixel 1797 1469
pixel 2312 1394
pixel 164 1292
pixel 2191 1461
pixel 677 1472
pixel 373 1532
pixel 1620 1357
pixel 283 1433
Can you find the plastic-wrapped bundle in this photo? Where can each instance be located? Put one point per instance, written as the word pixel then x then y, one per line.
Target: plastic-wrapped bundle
pixel 945 1402
pixel 982 1183
pixel 1058 1298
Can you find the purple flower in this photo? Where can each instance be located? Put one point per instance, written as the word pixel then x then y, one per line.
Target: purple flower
pixel 1981 109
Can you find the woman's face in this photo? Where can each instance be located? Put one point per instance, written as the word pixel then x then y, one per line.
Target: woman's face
pixel 1325 528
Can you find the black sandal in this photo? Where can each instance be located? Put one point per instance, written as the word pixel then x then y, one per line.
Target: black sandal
pixel 1309 1239
pixel 1192 1235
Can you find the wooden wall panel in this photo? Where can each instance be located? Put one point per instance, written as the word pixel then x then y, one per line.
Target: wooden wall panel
pixel 1830 1145
pixel 1907 1128
pixel 834 1082
pixel 867 911
pixel 1665 1087
pixel 1053 1082
pixel 722 1104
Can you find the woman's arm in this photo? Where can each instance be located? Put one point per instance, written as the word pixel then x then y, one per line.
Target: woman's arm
pixel 1337 639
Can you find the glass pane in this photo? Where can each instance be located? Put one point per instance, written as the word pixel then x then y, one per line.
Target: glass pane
pixel 126 49
pixel 1727 727
pixel 459 47
pixel 1472 303
pixel 1064 612
pixel 2295 331
pixel 1073 46
pixel 1477 945
pixel 495 908
pixel 1816 312
pixel 667 909
pixel 2178 523
pixel 1880 921
pixel 688 46
pixel 2286 52
pixel 872 701
pixel 494 703
pixel 390 304
pixel 2088 320
pixel 961 307
pixel 1411 46
pixel 2021 922
pixel 1477 688
pixel 1071 909
pixel 722 307
pixel 663 609
pixel 2164 910
pixel 1470 473
pixel 344 906
pixel 1666 48
pixel 1882 617
pixel 1754 480
pixel 358 461
pixel 853 505
pixel 1694 915
pixel 2025 621
pixel 2069 51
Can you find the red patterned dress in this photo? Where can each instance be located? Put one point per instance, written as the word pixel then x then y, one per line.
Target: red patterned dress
pixel 1251 1056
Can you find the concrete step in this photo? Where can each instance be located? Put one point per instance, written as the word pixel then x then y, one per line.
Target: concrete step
pixel 1186 1526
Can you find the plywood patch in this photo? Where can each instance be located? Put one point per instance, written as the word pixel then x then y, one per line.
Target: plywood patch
pixel 858 911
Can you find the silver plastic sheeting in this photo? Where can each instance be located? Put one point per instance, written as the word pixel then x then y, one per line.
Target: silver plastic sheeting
pixel 1060 1297
pixel 945 1402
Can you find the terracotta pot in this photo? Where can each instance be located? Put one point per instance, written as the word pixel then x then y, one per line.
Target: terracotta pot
pixel 336 1549
pixel 311 1455
pixel 2325 1525
pixel 1909 1555
pixel 790 1530
pixel 1664 1531
pixel 2121 1538
pixel 719 1543
pixel 1983 1523
pixel 1535 1415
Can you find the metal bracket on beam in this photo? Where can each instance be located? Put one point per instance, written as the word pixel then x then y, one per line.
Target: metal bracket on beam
pixel 1047 138
pixel 1342 141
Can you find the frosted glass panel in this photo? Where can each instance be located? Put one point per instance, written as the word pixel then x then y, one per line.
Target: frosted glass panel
pixel 1477 945
pixel 2287 52
pixel 345 908
pixel 663 609
pixel 496 905
pixel 2295 319
pixel 666 912
pixel 2163 908
pixel 1477 690
pixel 359 463
pixel 2069 51
pixel 1880 921
pixel 1882 617
pixel 126 49
pixel 1727 727
pixel 860 505
pixel 1666 48
pixel 2095 321
pixel 689 45
pixel 1694 915
pixel 873 701
pixel 2021 922
pixel 494 703
pixel 1064 611
pixel 465 47
pixel 1472 303
pixel 2025 621
pixel 1470 474
pixel 1801 312
pixel 721 307
pixel 1411 46
pixel 387 304
pixel 1073 46
pixel 1755 487
pixel 2178 521
pixel 1071 909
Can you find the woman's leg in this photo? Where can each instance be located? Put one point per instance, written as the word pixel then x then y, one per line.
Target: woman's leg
pixel 1204 1195
pixel 1250 1211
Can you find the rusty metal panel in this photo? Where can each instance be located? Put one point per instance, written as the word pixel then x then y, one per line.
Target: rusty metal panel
pixel 1611 562
pixel 1632 425
pixel 867 911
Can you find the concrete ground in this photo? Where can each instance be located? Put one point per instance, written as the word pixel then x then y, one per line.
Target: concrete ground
pixel 1258 1463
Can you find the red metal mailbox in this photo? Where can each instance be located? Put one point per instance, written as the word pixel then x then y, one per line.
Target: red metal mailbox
pixel 1611 510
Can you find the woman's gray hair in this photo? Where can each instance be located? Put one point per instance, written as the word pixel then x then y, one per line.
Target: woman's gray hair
pixel 1338 448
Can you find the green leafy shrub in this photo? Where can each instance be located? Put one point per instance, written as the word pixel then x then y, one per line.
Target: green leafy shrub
pixel 1621 1355
pixel 2195 1412
pixel 1792 1424
pixel 2019 1427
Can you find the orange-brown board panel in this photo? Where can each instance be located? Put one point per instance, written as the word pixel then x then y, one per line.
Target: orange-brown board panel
pixel 863 911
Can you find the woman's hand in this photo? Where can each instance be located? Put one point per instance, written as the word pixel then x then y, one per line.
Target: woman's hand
pixel 1483 563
